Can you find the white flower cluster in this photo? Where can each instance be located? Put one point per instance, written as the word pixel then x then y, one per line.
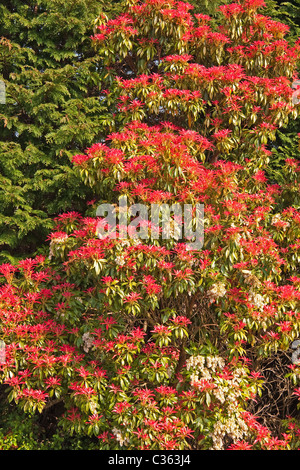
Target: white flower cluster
pixel 87 339
pixel 257 300
pixel 204 365
pixel 233 427
pixel 120 261
pixel 217 290
pixel 119 437
pixel 227 391
pixel 250 278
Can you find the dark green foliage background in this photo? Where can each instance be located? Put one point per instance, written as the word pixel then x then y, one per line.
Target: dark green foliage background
pixel 52 111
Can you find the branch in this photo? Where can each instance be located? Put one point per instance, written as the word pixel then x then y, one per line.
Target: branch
pixel 52 403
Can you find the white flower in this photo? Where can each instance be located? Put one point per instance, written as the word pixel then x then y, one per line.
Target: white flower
pixel 120 261
pixel 217 290
pixel 118 435
pixel 87 341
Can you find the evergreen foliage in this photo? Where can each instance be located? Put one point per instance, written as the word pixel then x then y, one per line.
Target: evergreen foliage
pixel 52 111
pixel 287 139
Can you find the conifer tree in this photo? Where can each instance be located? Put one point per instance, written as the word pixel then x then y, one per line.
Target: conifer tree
pixel 287 138
pixel 52 111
